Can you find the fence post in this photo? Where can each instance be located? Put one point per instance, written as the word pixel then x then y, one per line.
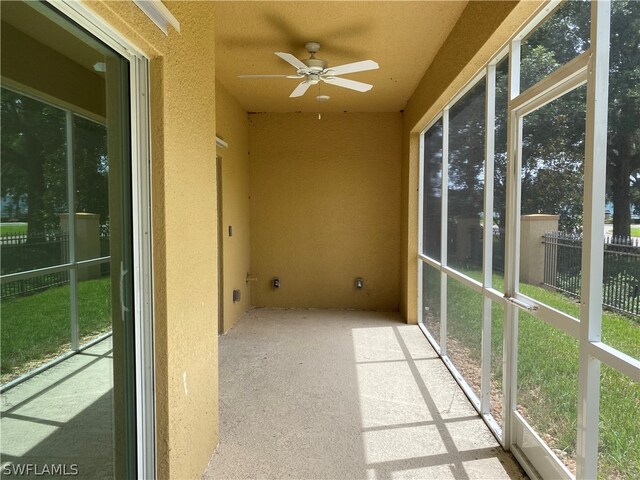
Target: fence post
pixel 532 230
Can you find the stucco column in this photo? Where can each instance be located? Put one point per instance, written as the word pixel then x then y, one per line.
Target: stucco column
pixel 532 230
pixel 87 241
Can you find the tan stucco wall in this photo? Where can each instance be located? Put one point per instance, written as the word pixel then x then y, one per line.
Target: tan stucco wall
pixel 483 28
pixel 325 209
pixel 183 129
pixel 233 127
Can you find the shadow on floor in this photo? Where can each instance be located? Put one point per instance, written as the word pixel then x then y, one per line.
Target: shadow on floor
pixel 62 417
pixel 311 394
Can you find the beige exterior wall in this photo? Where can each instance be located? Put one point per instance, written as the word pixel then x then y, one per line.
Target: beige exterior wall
pixel 483 28
pixel 325 209
pixel 183 129
pixel 233 127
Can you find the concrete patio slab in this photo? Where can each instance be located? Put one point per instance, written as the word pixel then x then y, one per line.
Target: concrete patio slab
pixel 317 394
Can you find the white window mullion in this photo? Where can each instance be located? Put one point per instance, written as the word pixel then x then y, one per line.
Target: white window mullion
pixel 421 193
pixel 595 171
pixel 443 231
pixel 512 234
pixel 487 254
pixel 71 233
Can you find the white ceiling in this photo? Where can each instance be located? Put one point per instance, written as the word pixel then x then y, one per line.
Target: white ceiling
pixel 402 36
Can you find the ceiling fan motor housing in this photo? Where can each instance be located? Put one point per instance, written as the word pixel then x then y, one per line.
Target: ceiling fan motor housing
pixel 315 64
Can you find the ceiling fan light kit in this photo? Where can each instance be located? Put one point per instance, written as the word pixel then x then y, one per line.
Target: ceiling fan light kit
pixel 315 70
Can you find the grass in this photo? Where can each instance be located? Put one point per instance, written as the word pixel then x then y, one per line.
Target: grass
pixel 37 327
pixel 548 371
pixel 12 229
pixel 635 231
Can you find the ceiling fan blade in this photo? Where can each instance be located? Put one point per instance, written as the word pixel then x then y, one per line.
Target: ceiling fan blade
pixel 271 76
pixel 262 76
pixel 287 57
pixel 346 83
pixel 362 66
pixel 300 89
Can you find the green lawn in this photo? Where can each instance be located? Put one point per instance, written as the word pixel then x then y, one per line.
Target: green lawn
pixel 635 231
pixel 37 327
pixel 548 372
pixel 12 229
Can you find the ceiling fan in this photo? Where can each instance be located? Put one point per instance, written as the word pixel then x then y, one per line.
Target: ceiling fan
pixel 314 70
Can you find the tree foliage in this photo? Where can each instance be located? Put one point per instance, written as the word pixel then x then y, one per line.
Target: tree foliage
pixel 553 141
pixel 34 162
pixel 33 150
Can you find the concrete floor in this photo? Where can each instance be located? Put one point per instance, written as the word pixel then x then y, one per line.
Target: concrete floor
pixel 63 415
pixel 314 394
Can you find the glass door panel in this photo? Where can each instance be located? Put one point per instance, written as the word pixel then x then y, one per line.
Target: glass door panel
pixel 550 272
pixel 551 211
pixel 65 234
pixel 496 371
pixel 431 301
pixel 547 392
pixel 561 37
pixel 464 332
pixel 432 191
pixel 466 182
pixel 34 184
pixel 619 443
pixel 621 235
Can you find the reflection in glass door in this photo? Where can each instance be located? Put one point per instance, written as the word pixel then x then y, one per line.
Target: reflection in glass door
pixel 66 239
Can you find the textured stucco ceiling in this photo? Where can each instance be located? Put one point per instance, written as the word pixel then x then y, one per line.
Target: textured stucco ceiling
pixel 403 37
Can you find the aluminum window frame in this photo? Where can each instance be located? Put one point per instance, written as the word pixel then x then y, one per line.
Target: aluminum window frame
pixel 590 68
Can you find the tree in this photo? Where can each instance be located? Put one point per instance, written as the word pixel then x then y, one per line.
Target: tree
pixel 33 151
pixel 566 34
pixel 623 141
pixel 432 190
pixel 91 168
pixel 34 162
pixel 553 136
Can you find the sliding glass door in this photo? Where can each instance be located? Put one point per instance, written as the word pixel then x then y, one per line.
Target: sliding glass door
pixel 67 237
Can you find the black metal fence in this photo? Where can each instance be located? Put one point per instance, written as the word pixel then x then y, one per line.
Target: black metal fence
pixel 621 273
pixel 21 253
